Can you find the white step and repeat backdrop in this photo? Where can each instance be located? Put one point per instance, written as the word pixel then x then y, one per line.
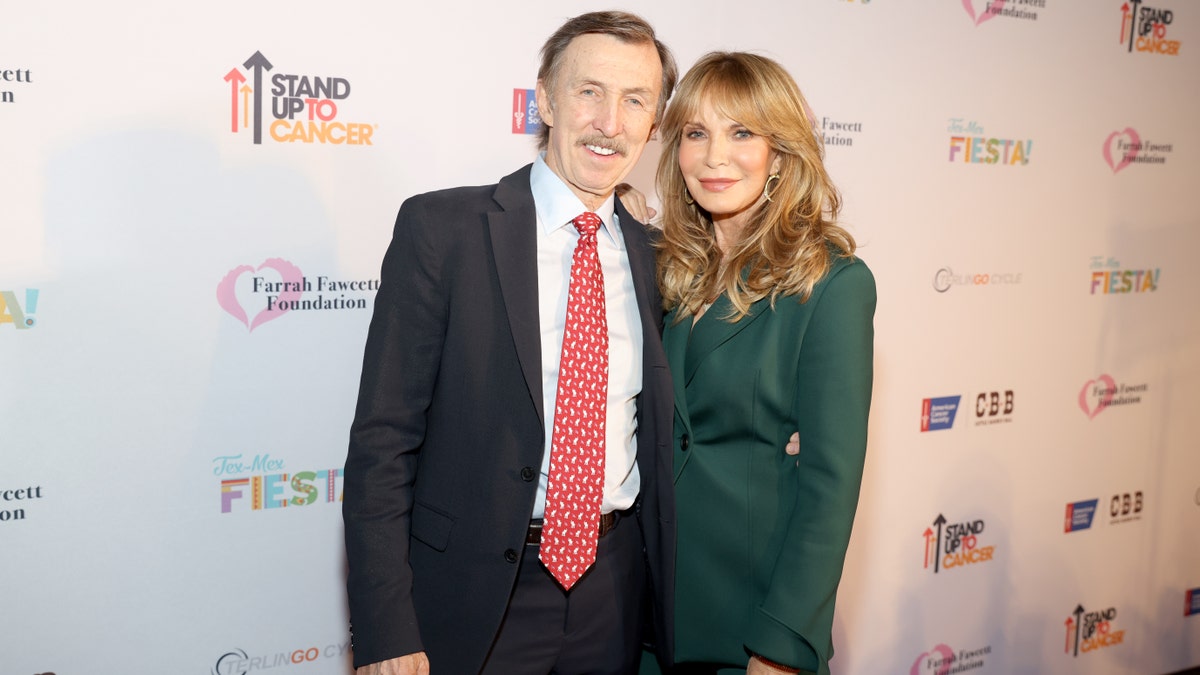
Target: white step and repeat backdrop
pixel 194 202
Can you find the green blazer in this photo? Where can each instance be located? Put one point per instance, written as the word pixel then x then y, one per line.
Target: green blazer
pixel 762 536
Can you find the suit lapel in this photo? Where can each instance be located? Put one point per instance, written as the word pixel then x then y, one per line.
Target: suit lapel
pixel 641 266
pixel 640 253
pixel 675 341
pixel 712 330
pixel 513 231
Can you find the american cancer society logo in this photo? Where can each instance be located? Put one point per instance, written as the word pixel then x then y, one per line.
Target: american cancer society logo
pixel 1080 515
pixel 525 116
pixel 938 413
pixel 304 108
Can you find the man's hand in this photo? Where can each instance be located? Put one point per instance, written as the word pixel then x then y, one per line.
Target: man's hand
pixel 793 446
pixel 635 202
pixel 409 664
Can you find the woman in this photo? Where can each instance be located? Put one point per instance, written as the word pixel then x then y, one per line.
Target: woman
pixel 769 330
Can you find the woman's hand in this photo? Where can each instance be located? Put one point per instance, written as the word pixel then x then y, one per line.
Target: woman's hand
pixel 635 202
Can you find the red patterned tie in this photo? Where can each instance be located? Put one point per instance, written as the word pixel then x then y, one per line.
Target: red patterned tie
pixel 576 486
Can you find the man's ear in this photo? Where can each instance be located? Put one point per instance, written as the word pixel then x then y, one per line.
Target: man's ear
pixel 545 109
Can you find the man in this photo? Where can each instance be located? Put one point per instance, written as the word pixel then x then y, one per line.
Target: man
pixel 463 533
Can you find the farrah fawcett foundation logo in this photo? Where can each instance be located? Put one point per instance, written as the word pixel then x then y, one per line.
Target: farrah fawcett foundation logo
pixel 256 295
pixel 1104 392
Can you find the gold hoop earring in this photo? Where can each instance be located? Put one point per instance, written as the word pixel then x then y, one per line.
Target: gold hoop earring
pixel 767 186
pixel 687 197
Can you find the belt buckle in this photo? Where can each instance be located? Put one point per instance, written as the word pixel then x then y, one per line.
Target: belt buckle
pixel 608 522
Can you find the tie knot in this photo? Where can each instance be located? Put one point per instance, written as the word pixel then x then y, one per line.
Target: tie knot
pixel 587 223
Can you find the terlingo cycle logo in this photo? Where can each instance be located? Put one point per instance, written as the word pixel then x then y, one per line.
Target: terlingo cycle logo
pixel 945 279
pixel 313 98
pixel 1089 631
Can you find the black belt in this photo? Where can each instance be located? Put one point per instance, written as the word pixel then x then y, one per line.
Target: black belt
pixel 608 522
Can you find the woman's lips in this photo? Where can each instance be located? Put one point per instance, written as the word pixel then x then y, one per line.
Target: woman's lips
pixel 717 184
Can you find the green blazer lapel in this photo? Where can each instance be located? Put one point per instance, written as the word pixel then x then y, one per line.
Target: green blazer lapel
pixel 675 342
pixel 514 245
pixel 712 330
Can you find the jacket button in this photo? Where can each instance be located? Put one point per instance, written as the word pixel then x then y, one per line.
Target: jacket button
pixel 683 443
pixel 510 555
pixel 527 474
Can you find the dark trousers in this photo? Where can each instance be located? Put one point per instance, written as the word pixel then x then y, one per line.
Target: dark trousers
pixel 593 629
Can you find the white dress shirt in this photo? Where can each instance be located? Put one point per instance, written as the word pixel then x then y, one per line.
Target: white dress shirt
pixel 556 207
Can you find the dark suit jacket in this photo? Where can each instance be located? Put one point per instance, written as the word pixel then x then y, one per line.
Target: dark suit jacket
pixel 448 437
pixel 762 535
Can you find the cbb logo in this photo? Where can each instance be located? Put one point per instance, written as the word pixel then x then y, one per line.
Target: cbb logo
pixel 988 404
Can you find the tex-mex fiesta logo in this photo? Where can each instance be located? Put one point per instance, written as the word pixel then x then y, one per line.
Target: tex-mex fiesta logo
pixel 954 545
pixel 1145 29
pixel 12 311
pixel 303 108
pixel 969 143
pixel 262 483
pixel 1088 631
pixel 1109 276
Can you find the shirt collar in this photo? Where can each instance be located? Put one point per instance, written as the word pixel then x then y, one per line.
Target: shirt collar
pixel 557 206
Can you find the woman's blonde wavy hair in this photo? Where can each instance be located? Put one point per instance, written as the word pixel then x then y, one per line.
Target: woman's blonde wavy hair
pixel 790 242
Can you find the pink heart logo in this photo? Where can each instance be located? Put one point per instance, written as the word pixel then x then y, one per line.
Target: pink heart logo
pixel 288 273
pixel 990 10
pixel 944 665
pixel 1104 398
pixel 1135 142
